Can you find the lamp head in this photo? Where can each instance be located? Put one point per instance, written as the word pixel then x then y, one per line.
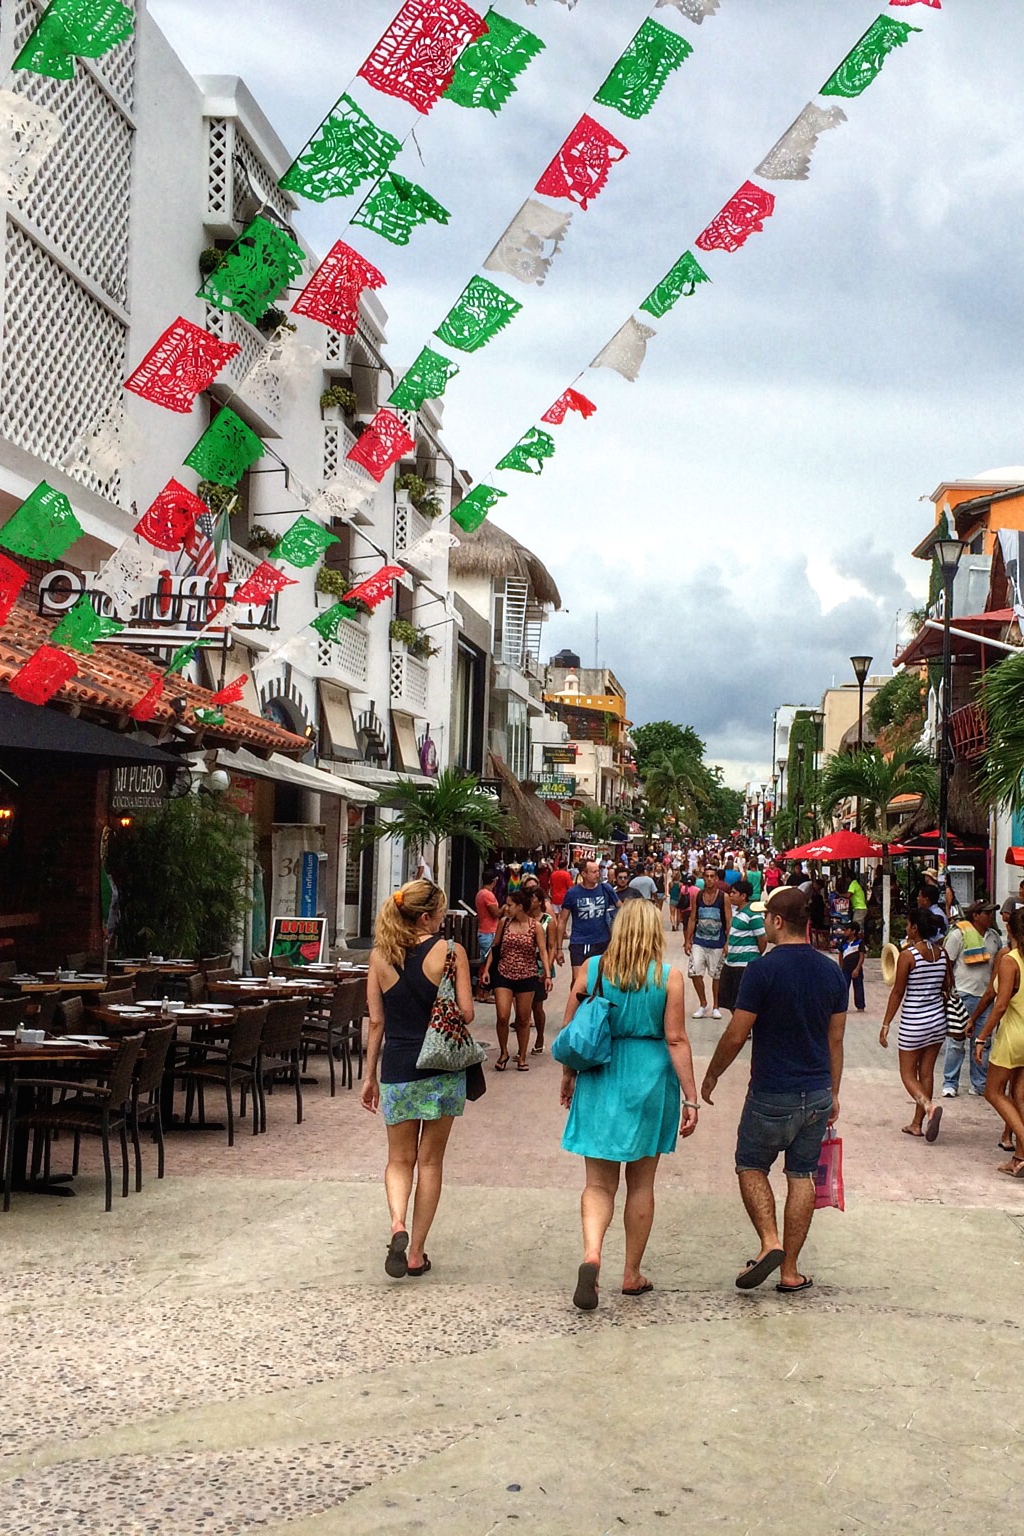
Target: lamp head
pixel 949 553
pixel 861 666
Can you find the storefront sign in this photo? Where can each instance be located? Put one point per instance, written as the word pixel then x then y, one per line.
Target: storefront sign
pixel 309 882
pixel 490 787
pixel 298 940
pixel 139 786
pixel 176 602
pixel 557 787
pixel 560 754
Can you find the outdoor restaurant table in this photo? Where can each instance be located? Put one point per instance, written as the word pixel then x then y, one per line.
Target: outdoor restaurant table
pixel 205 1023
pixel 339 970
pixel 268 990
pixel 46 982
pixel 57 1051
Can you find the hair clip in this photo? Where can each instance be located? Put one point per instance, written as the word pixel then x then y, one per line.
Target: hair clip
pixel 399 898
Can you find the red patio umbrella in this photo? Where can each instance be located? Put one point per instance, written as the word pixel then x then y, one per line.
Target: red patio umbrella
pixel 838 845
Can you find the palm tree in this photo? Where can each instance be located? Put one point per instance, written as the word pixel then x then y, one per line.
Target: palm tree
pixel 676 782
pixel 428 815
pixel 597 821
pixel 875 780
pixel 1002 695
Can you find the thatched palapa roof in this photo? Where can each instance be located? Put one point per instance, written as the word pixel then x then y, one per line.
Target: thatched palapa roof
pixel 531 824
pixel 493 553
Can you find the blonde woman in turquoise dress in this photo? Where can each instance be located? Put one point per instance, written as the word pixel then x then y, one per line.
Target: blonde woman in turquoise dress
pixel 629 1111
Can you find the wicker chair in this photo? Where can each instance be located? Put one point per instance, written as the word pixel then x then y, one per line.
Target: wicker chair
pixel 339 1029
pixel 116 995
pixel 212 977
pixel 69 1018
pixel 215 963
pixel 149 1074
pixel 12 1012
pixel 92 1110
pixel 229 1066
pixel 281 1052
pixel 260 966
pixel 195 988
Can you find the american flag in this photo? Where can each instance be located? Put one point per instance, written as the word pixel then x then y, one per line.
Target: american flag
pixel 205 549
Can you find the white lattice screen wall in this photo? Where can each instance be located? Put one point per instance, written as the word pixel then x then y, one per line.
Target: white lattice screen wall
pixel 226 142
pixel 347 659
pixel 57 377
pixel 63 350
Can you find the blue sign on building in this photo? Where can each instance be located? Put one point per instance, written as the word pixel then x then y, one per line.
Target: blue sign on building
pixel 309 882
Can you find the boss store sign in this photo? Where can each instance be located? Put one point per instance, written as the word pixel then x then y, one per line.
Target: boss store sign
pixel 139 786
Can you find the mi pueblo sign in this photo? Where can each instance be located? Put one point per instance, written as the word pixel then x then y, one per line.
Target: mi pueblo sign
pixel 139 786
pixel 174 603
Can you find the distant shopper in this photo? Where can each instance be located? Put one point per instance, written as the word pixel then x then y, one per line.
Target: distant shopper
pixel 591 905
pixel 707 933
pixel 645 885
pixel 747 942
pixel 419 1108
pixel 972 945
pixel 488 911
pixel 561 881
pixel 540 911
pixel 1004 1084
pixel 858 902
pixel 923 979
pixel 518 954
pixel 792 1005
pixel 851 954
pixel 629 1111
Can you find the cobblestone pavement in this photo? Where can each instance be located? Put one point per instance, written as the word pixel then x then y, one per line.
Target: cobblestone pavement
pixel 223 1352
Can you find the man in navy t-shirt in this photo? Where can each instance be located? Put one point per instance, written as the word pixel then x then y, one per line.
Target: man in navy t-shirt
pixel 792 1003
pixel 590 905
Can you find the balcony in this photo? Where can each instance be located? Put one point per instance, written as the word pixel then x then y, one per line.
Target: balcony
pixel 410 527
pixel 346 660
pixel 261 400
pixel 968 733
pixel 409 681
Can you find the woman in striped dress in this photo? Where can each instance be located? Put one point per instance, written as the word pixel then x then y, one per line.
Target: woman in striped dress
pixel 923 980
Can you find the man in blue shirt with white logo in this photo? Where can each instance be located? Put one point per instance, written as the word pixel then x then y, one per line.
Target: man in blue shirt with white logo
pixel 792 1003
pixel 592 904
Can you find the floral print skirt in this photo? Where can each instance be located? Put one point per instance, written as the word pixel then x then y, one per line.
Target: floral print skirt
pixel 429 1099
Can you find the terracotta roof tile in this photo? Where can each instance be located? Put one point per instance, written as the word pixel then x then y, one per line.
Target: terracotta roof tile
pixel 112 680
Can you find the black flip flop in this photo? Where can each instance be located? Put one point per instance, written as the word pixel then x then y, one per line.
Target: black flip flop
pixel 934 1121
pixel 396 1264
pixel 585 1294
pixel 791 1290
pixel 758 1270
pixel 423 1269
pixel 641 1290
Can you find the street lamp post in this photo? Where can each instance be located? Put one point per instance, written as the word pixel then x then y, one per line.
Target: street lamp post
pixel 861 667
pixel 948 553
pixel 799 800
pixel 817 720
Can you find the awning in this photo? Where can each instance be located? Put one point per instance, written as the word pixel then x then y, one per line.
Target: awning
pixel 403 738
pixel 967 634
pixel 284 771
pixel 336 713
pixel 1015 856
pixel 35 728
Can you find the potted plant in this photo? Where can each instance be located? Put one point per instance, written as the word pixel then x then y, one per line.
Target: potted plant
pixel 337 402
pixel 416 641
pixel 262 538
pixel 209 260
pixel 421 496
pixel 332 584
pixel 273 319
pixel 222 500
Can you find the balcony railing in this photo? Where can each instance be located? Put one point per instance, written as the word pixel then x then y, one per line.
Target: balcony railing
pixel 968 732
pixel 346 660
pixel 409 680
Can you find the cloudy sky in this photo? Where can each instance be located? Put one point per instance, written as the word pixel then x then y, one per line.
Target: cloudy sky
pixel 739 519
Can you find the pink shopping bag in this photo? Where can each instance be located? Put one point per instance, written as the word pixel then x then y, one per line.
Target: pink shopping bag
pixel 828 1180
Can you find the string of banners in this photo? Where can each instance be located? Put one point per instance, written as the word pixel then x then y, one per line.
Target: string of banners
pixel 433 50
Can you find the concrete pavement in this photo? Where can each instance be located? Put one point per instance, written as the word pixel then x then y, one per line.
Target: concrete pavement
pixel 224 1353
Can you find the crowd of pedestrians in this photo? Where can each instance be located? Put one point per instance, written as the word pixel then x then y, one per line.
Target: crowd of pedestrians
pixel 755 935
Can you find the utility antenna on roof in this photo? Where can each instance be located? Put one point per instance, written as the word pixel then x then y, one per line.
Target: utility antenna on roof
pixel 597 641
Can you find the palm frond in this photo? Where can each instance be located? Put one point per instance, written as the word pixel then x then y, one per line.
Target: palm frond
pixel 875 780
pixel 1002 695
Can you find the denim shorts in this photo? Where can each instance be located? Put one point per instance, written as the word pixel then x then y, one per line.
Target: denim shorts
pixel 794 1123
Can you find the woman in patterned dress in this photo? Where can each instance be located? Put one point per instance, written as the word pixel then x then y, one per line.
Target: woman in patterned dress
pixel 419 1107
pixel 922 984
